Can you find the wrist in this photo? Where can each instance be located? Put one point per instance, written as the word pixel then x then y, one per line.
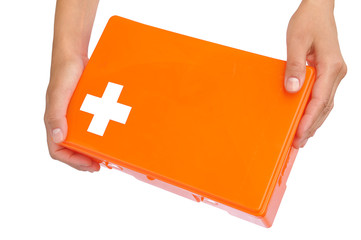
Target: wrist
pixel 69 48
pixel 63 59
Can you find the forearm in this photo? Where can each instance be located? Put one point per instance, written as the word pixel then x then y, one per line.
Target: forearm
pixel 72 28
pixel 330 4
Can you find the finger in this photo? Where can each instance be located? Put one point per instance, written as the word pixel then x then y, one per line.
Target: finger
pixel 341 72
pixel 320 105
pixel 297 49
pixel 308 125
pixel 318 108
pixel 71 158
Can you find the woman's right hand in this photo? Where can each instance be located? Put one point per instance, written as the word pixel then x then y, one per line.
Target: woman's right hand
pixel 64 76
pixel 73 24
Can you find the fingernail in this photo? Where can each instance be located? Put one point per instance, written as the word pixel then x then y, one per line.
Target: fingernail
pixel 57 135
pixel 87 164
pixel 292 84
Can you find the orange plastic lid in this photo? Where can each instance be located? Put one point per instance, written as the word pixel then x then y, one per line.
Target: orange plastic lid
pixel 211 119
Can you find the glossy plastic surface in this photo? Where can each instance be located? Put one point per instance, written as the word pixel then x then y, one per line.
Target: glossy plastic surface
pixel 209 119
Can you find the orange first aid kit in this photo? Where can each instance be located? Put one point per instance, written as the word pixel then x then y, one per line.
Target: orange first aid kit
pixel 208 122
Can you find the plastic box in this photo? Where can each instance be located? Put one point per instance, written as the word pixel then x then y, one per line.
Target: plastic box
pixel 208 122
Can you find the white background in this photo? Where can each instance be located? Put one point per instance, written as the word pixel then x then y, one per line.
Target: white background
pixel 44 199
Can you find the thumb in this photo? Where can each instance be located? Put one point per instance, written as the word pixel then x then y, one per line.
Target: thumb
pixel 55 113
pixel 60 90
pixel 296 66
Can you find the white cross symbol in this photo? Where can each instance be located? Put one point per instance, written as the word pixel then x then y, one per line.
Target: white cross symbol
pixel 105 109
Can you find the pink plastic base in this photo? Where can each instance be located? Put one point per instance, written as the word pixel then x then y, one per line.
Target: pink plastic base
pixel 262 221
